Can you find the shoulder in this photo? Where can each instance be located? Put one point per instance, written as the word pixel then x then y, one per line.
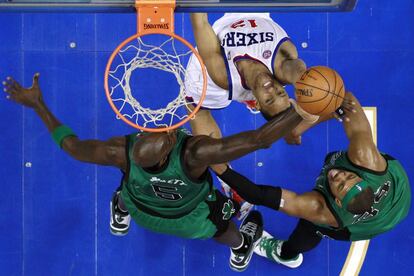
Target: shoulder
pixel 193 155
pixel 199 149
pixel 288 50
pixel 319 205
pixel 316 201
pixel 369 159
pixel 194 144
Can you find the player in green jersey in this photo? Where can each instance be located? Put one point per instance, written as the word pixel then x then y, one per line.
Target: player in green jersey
pixel 359 194
pixel 167 187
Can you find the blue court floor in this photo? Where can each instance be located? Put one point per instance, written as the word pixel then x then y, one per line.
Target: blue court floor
pixel 54 211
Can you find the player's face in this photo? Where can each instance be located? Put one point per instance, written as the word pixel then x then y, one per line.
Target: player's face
pixel 340 181
pixel 271 95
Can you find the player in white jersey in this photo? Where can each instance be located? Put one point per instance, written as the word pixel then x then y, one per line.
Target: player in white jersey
pixel 249 58
pixel 252 37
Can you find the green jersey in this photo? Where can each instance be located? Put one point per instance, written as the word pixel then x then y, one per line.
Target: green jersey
pixel 392 196
pixel 168 192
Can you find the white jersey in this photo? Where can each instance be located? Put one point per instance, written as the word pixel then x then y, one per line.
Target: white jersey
pixel 253 36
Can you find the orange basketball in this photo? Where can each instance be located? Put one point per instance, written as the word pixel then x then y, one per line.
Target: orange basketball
pixel 320 90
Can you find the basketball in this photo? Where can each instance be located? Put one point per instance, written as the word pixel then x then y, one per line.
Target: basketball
pixel 320 90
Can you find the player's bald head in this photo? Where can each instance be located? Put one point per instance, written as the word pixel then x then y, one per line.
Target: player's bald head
pixel 152 148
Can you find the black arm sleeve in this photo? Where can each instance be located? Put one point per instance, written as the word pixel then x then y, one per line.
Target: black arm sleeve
pixel 265 195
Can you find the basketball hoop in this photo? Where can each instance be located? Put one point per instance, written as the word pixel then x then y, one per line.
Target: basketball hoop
pixel 156 18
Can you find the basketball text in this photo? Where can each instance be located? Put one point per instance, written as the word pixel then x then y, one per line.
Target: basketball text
pixel 164 26
pixel 305 92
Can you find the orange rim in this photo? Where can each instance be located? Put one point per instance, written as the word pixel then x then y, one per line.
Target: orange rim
pixel 129 122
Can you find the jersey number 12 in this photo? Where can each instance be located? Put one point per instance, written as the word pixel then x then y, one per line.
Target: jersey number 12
pixel 242 23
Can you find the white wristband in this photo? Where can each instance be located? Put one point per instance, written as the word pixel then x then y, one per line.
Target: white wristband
pixel 282 203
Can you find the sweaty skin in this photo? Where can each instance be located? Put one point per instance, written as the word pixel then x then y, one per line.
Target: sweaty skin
pixel 270 93
pixel 200 152
pixel 362 151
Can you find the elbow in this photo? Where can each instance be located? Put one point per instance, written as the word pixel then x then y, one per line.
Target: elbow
pixel 71 146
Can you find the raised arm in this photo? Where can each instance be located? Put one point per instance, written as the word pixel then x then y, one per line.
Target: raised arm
pixel 202 151
pixel 361 150
pixel 288 66
pixel 110 153
pixel 310 206
pixel 205 124
pixel 209 48
pixel 294 137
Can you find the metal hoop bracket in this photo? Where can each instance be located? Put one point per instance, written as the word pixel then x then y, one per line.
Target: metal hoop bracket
pixel 155 16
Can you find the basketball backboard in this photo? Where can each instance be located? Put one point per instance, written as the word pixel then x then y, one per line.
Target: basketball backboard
pixel 182 5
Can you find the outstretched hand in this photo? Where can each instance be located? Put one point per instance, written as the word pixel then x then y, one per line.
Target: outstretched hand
pixel 30 97
pixel 348 106
pixel 342 114
pixel 293 139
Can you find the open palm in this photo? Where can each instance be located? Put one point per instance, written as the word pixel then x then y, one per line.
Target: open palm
pixel 29 97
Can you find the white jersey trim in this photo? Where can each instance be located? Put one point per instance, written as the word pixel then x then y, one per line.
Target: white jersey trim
pixel 247 56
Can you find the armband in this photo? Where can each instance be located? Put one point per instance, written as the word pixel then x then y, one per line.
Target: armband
pixel 60 133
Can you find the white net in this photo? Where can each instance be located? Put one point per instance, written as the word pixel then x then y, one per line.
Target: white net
pixel 168 55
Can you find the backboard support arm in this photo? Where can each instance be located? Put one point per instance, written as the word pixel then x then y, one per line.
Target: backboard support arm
pixel 155 16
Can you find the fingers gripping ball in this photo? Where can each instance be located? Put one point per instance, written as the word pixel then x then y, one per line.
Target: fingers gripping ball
pixel 320 90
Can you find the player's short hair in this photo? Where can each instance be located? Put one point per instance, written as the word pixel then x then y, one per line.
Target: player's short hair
pixel 362 202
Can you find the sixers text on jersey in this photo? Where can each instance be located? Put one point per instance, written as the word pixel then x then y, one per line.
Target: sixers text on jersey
pixel 236 39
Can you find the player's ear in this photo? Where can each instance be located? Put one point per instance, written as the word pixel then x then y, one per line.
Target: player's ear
pixel 338 202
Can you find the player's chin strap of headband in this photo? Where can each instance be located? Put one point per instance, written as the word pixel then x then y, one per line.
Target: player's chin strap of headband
pixel 353 192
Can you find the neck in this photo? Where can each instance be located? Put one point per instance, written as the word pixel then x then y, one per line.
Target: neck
pixel 249 70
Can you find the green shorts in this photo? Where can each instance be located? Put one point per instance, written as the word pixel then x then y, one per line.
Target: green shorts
pixel 210 218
